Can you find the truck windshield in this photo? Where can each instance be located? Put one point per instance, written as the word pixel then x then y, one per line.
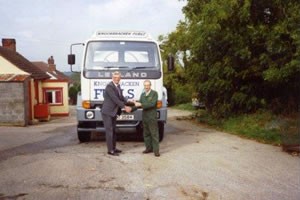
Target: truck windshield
pixel 106 55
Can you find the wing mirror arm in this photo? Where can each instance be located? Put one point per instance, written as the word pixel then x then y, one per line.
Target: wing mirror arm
pixel 71 57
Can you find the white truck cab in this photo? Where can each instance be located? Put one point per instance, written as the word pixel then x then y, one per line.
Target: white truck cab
pixel 137 57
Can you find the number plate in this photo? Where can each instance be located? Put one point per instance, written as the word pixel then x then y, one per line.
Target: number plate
pixel 125 117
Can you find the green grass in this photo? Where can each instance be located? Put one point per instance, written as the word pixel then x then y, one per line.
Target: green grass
pixel 186 106
pixel 253 126
pixel 261 126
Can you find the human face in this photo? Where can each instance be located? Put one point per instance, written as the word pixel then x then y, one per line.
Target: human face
pixel 116 78
pixel 147 86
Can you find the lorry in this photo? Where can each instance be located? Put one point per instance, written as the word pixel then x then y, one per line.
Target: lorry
pixel 136 55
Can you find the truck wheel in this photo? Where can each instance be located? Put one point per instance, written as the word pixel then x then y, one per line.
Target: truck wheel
pixel 84 136
pixel 161 129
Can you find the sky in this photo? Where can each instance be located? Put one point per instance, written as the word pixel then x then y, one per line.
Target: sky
pixel 44 28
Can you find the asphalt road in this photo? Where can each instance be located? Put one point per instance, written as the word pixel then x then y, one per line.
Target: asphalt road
pixel 46 161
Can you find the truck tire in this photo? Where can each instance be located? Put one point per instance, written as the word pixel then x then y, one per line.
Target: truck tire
pixel 161 130
pixel 84 136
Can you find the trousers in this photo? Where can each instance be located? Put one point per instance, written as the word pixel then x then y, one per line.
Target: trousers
pixel 110 133
pixel 151 136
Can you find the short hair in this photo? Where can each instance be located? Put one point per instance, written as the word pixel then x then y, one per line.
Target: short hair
pixel 147 81
pixel 116 73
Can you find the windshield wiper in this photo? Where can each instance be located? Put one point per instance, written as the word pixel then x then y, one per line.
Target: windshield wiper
pixel 142 67
pixel 115 67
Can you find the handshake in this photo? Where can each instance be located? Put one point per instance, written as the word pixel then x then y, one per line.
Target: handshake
pixel 134 103
pixel 130 104
pixel 128 109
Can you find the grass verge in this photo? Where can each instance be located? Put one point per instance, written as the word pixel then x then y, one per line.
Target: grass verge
pixel 258 126
pixel 187 106
pixel 261 126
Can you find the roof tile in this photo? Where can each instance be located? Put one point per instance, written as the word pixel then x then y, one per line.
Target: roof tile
pixel 57 74
pixel 22 63
pixel 13 77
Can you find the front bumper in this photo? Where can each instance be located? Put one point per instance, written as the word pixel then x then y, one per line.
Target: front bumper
pixel 129 120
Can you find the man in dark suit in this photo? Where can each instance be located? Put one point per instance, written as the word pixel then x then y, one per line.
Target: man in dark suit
pixel 114 101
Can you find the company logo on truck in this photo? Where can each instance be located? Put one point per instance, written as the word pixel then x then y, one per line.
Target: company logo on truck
pixel 130 89
pixel 125 75
pixel 133 34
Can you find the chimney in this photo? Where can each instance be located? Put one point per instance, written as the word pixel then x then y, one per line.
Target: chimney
pixel 9 43
pixel 52 66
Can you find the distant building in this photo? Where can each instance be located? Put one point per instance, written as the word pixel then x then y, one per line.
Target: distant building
pixel 21 85
pixel 29 91
pixel 55 89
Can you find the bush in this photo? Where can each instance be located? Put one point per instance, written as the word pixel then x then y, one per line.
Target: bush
pixel 254 126
pixel 183 94
pixel 73 94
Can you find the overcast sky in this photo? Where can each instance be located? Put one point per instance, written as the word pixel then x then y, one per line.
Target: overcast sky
pixel 47 27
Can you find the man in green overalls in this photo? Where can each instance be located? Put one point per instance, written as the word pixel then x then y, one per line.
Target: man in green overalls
pixel 148 101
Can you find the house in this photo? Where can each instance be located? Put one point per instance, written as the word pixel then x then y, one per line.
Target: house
pixel 21 86
pixel 55 89
pixel 29 91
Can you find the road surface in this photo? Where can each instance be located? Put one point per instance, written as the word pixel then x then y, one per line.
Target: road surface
pixel 46 161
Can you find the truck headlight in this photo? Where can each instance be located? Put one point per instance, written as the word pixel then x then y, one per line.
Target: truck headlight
pixel 159 104
pixel 86 104
pixel 89 115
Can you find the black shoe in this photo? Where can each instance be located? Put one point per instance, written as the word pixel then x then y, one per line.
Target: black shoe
pixel 148 151
pixel 113 153
pixel 118 151
pixel 157 154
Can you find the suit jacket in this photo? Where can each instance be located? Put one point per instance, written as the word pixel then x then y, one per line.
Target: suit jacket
pixel 113 101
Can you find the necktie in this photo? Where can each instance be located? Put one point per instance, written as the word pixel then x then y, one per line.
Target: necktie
pixel 119 90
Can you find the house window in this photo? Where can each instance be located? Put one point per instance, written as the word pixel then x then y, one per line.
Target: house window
pixel 53 96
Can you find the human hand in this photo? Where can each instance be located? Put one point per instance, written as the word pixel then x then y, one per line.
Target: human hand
pixel 137 104
pixel 128 109
pixel 130 102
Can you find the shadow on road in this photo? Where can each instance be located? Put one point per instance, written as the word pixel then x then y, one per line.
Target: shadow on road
pixel 59 140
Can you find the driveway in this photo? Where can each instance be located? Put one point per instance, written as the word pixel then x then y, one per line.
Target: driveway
pixel 46 161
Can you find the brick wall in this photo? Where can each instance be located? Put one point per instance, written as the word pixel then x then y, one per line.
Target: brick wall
pixel 13 106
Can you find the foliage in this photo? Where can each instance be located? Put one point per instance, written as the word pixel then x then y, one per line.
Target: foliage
pixel 75 77
pixel 239 55
pixel 185 106
pixel 183 94
pixel 204 117
pixel 75 88
pixel 254 126
pixel 262 126
pixel 178 89
pixel 175 43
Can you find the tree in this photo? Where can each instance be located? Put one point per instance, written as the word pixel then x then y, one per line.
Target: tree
pixel 75 88
pixel 179 91
pixel 243 54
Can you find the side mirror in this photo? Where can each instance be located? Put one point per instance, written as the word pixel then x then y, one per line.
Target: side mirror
pixel 71 59
pixel 170 63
